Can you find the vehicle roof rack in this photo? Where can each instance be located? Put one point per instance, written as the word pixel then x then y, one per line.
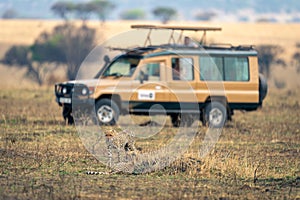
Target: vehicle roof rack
pixel 118 49
pixel 174 28
pixel 134 50
pixel 220 45
pixel 230 46
pixel 245 47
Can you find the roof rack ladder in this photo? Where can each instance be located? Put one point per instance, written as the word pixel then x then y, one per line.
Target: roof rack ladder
pixel 171 38
pixel 148 38
pixel 203 39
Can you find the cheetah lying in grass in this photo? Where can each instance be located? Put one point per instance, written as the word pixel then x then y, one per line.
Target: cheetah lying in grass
pixel 122 142
pixel 121 151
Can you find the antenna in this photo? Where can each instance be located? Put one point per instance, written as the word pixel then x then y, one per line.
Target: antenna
pixel 173 28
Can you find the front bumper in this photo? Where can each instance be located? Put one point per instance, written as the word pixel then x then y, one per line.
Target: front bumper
pixel 70 95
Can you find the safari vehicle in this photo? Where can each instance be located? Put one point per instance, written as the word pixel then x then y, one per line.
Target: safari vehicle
pixel 217 80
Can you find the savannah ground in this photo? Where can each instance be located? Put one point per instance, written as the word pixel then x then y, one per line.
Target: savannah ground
pixel 256 157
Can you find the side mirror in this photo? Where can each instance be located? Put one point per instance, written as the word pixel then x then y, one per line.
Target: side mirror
pixel 142 77
pixel 106 59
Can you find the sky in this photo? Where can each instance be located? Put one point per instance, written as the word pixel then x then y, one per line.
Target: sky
pixel 187 9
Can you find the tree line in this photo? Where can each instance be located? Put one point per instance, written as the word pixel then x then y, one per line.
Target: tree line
pixel 83 11
pixel 102 8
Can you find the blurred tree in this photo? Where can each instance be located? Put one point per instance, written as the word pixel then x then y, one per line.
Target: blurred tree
pixel 9 14
pixel 205 16
pixel 20 56
pixel 62 8
pixel 266 20
pixel 102 8
pixel 164 13
pixel 296 58
pixel 16 55
pixel 67 45
pixel 268 55
pixel 134 14
pixel 84 10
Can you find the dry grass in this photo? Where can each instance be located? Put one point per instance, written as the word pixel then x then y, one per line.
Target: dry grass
pixel 41 158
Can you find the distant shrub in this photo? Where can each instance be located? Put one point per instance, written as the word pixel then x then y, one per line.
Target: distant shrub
pixel 165 14
pixel 296 58
pixel 268 56
pixel 133 14
pixel 205 16
pixel 9 14
pixel 279 84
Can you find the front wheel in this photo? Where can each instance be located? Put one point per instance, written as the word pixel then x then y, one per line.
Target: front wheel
pixel 215 115
pixel 107 112
pixel 67 115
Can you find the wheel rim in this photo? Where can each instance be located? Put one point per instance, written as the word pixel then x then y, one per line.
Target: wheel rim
pixel 105 114
pixel 215 117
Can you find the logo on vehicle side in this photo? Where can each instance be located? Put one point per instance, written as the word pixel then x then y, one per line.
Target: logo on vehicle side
pixel 146 95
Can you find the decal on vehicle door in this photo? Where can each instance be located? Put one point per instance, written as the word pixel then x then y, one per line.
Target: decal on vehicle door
pixel 146 95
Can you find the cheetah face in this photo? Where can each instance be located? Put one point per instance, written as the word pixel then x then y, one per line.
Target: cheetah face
pixel 110 133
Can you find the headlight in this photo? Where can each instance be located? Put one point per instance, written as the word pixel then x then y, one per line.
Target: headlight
pixel 84 91
pixel 64 90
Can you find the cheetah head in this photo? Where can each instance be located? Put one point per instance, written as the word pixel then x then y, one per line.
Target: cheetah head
pixel 110 133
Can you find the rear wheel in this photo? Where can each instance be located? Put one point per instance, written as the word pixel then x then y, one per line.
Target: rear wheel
pixel 263 88
pixel 175 120
pixel 215 115
pixel 107 112
pixel 182 120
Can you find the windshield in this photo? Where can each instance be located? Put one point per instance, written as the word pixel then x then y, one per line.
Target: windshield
pixel 123 66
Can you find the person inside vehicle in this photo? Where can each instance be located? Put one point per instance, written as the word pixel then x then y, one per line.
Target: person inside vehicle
pixel 189 42
pixel 175 69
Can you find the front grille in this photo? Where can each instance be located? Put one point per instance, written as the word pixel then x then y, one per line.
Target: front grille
pixel 64 90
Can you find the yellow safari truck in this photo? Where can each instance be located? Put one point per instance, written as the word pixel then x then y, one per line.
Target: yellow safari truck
pixel 187 82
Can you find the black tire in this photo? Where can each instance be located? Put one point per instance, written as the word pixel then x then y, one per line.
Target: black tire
pixel 182 120
pixel 215 115
pixel 107 112
pixel 175 120
pixel 67 115
pixel 263 88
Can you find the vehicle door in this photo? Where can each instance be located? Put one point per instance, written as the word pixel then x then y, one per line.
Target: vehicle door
pixel 181 80
pixel 149 85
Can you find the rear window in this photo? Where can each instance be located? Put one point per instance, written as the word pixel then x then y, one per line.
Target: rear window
pixel 218 68
pixel 236 69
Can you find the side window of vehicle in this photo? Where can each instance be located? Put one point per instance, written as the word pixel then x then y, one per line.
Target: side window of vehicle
pixel 182 69
pixel 217 68
pixel 211 68
pixel 150 72
pixel 236 69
